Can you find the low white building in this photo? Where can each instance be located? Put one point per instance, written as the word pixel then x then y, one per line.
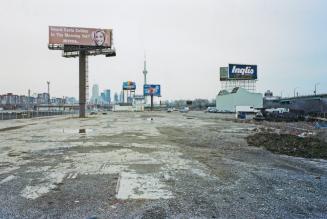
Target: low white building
pixel 227 101
pixel 136 106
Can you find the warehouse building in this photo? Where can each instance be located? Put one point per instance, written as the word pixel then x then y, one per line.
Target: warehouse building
pixel 310 104
pixel 227 101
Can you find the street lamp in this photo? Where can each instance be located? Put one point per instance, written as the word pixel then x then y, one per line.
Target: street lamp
pixel 48 83
pixel 315 92
pixel 295 90
pixel 281 93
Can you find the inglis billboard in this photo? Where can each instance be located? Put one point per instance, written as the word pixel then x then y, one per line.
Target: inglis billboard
pixel 152 90
pixel 242 72
pixel 80 36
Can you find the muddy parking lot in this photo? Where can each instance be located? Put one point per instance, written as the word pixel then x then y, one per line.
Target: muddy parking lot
pixel 152 165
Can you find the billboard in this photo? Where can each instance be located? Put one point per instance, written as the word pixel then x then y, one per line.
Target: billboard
pixel 129 85
pixel 223 73
pixel 242 72
pixel 80 36
pixel 152 90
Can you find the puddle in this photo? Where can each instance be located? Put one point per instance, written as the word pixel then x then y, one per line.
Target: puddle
pixel 72 131
pixel 237 130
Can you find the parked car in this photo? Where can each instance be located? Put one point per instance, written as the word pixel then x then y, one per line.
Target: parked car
pixel 259 117
pixel 212 110
pixel 184 110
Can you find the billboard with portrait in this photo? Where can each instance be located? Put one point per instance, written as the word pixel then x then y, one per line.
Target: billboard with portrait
pixel 129 85
pixel 152 90
pixel 242 72
pixel 80 36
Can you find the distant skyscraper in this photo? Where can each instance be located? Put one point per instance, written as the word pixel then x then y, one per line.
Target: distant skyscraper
pixel 103 98
pixel 121 97
pixel 95 94
pixel 107 96
pixel 116 98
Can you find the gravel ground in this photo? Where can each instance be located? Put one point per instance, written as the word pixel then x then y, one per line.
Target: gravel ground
pixel 151 165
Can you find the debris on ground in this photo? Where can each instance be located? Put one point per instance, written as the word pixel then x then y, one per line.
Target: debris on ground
pixel 309 147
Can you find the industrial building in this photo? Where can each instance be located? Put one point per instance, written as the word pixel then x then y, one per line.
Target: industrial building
pixel 227 101
pixel 311 104
pixel 238 83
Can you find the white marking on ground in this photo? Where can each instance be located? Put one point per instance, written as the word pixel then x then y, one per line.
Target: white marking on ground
pixel 8 169
pixel 132 184
pixel 141 186
pixel 38 169
pixel 49 182
pixel 33 192
pixel 7 179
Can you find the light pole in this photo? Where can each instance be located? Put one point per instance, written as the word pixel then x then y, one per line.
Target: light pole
pixel 295 90
pixel 48 83
pixel 315 92
pixel 281 93
pixel 28 99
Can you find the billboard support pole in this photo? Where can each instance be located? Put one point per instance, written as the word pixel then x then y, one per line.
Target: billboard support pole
pixel 152 102
pixel 82 83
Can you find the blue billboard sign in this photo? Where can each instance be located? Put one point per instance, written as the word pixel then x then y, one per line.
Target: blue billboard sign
pixel 152 90
pixel 242 72
pixel 129 85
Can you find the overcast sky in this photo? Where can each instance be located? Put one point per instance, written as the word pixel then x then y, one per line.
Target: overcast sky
pixel 185 43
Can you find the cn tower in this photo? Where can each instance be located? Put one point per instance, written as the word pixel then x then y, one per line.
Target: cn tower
pixel 145 72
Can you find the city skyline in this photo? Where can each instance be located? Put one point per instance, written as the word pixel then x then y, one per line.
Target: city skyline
pixel 286 39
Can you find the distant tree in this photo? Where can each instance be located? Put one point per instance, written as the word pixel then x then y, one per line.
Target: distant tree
pixel 200 104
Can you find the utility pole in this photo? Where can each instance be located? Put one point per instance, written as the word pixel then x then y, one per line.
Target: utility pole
pixel 82 83
pixel 151 102
pixel 295 90
pixel 48 82
pixel 315 92
pixel 28 101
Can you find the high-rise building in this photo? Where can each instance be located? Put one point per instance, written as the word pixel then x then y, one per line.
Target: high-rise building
pixel 95 94
pixel 107 96
pixel 121 97
pixel 43 98
pixel 116 98
pixel 103 98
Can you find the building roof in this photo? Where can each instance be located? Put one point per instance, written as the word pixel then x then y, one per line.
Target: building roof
pixel 223 92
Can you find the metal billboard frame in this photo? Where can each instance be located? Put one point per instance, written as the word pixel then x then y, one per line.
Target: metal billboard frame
pixel 72 51
pixel 230 83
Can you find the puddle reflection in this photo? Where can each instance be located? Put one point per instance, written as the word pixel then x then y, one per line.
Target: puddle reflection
pixel 82 131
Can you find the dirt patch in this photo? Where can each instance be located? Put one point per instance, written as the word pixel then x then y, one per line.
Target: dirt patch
pixel 155 212
pixel 290 145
